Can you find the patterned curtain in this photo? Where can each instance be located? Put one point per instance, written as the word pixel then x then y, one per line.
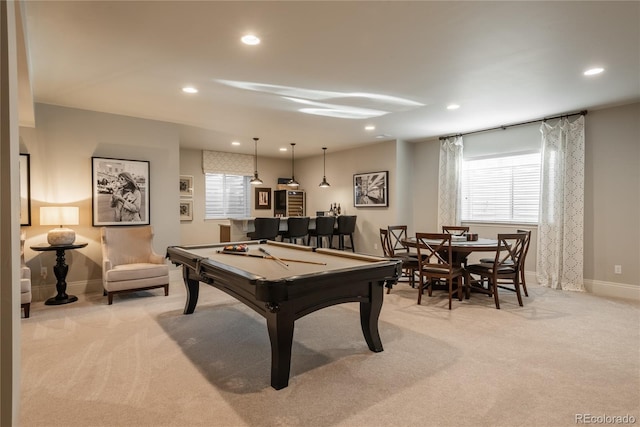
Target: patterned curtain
pixel 229 163
pixel 561 225
pixel 449 181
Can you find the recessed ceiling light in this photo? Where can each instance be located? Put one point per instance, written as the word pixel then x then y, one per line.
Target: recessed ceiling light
pixel 383 135
pixel 189 89
pixel 283 149
pixel 250 39
pixel 453 107
pixel 369 127
pixel 235 143
pixel 593 71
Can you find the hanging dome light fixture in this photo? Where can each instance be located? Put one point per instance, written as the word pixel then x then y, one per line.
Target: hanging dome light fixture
pixel 255 180
pixel 292 182
pixel 324 183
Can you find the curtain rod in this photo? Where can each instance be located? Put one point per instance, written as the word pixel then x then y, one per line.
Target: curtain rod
pixel 580 113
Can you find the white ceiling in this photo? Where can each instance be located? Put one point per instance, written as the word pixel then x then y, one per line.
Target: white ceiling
pixel 503 62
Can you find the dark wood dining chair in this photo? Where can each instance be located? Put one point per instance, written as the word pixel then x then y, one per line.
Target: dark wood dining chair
pixel 505 268
pixel 409 263
pixel 456 230
pixel 435 262
pixel 523 282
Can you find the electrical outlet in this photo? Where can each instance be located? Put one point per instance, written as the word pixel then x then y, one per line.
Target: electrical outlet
pixel 375 246
pixel 617 269
pixel 43 272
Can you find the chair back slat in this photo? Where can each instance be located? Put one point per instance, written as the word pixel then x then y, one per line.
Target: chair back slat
pixel 456 230
pixel 384 242
pixel 510 251
pixel 434 251
pixel 397 233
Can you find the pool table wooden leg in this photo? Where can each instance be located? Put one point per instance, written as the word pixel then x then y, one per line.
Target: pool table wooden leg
pixel 369 314
pixel 193 287
pixel 280 322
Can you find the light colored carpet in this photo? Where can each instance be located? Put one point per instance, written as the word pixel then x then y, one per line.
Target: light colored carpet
pixel 141 362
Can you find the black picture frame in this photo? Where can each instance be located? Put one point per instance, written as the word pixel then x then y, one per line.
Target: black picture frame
pixel 186 210
pixel 25 189
pixel 120 193
pixel 263 198
pixel 371 189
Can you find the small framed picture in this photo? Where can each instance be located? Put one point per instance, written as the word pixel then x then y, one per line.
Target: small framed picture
pixel 263 198
pixel 120 191
pixel 186 210
pixel 371 189
pixel 186 185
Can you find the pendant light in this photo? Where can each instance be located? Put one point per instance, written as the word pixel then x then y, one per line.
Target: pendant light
pixel 255 180
pixel 292 182
pixel 324 183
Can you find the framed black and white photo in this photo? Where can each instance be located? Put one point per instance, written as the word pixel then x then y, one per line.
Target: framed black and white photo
pixel 120 191
pixel 263 198
pixel 25 190
pixel 371 189
pixel 186 210
pixel 186 186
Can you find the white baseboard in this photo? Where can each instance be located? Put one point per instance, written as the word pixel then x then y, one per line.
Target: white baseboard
pixel 615 290
pixel 595 287
pixel 44 292
pixel 601 288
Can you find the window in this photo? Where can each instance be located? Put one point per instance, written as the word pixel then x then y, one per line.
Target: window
pixel 226 196
pixel 501 189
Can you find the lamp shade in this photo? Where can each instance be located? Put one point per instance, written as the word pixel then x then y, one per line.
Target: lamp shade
pixel 60 215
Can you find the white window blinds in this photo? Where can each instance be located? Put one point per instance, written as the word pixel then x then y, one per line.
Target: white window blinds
pixel 226 196
pixel 501 189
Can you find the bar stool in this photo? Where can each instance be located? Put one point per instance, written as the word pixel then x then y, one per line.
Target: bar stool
pixel 324 228
pixel 297 228
pixel 346 228
pixel 265 229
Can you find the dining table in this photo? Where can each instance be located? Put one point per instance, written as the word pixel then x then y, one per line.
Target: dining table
pixel 461 248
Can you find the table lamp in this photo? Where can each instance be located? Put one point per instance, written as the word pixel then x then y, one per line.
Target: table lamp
pixel 60 215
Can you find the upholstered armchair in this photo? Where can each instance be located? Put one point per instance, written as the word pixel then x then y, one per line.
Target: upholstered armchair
pixel 129 262
pixel 25 280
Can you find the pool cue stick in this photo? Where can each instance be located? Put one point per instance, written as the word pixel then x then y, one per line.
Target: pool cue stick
pixel 303 261
pixel 271 257
pixel 275 258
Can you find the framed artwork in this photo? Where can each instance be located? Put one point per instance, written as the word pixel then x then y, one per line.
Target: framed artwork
pixel 263 198
pixel 186 186
pixel 371 189
pixel 120 191
pixel 186 210
pixel 25 189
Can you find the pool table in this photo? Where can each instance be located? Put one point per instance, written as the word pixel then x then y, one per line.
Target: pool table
pixel 300 281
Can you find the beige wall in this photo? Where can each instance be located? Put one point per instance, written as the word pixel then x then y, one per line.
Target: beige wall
pixel 612 200
pixel 201 231
pixel 66 136
pixel 612 195
pixel 61 147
